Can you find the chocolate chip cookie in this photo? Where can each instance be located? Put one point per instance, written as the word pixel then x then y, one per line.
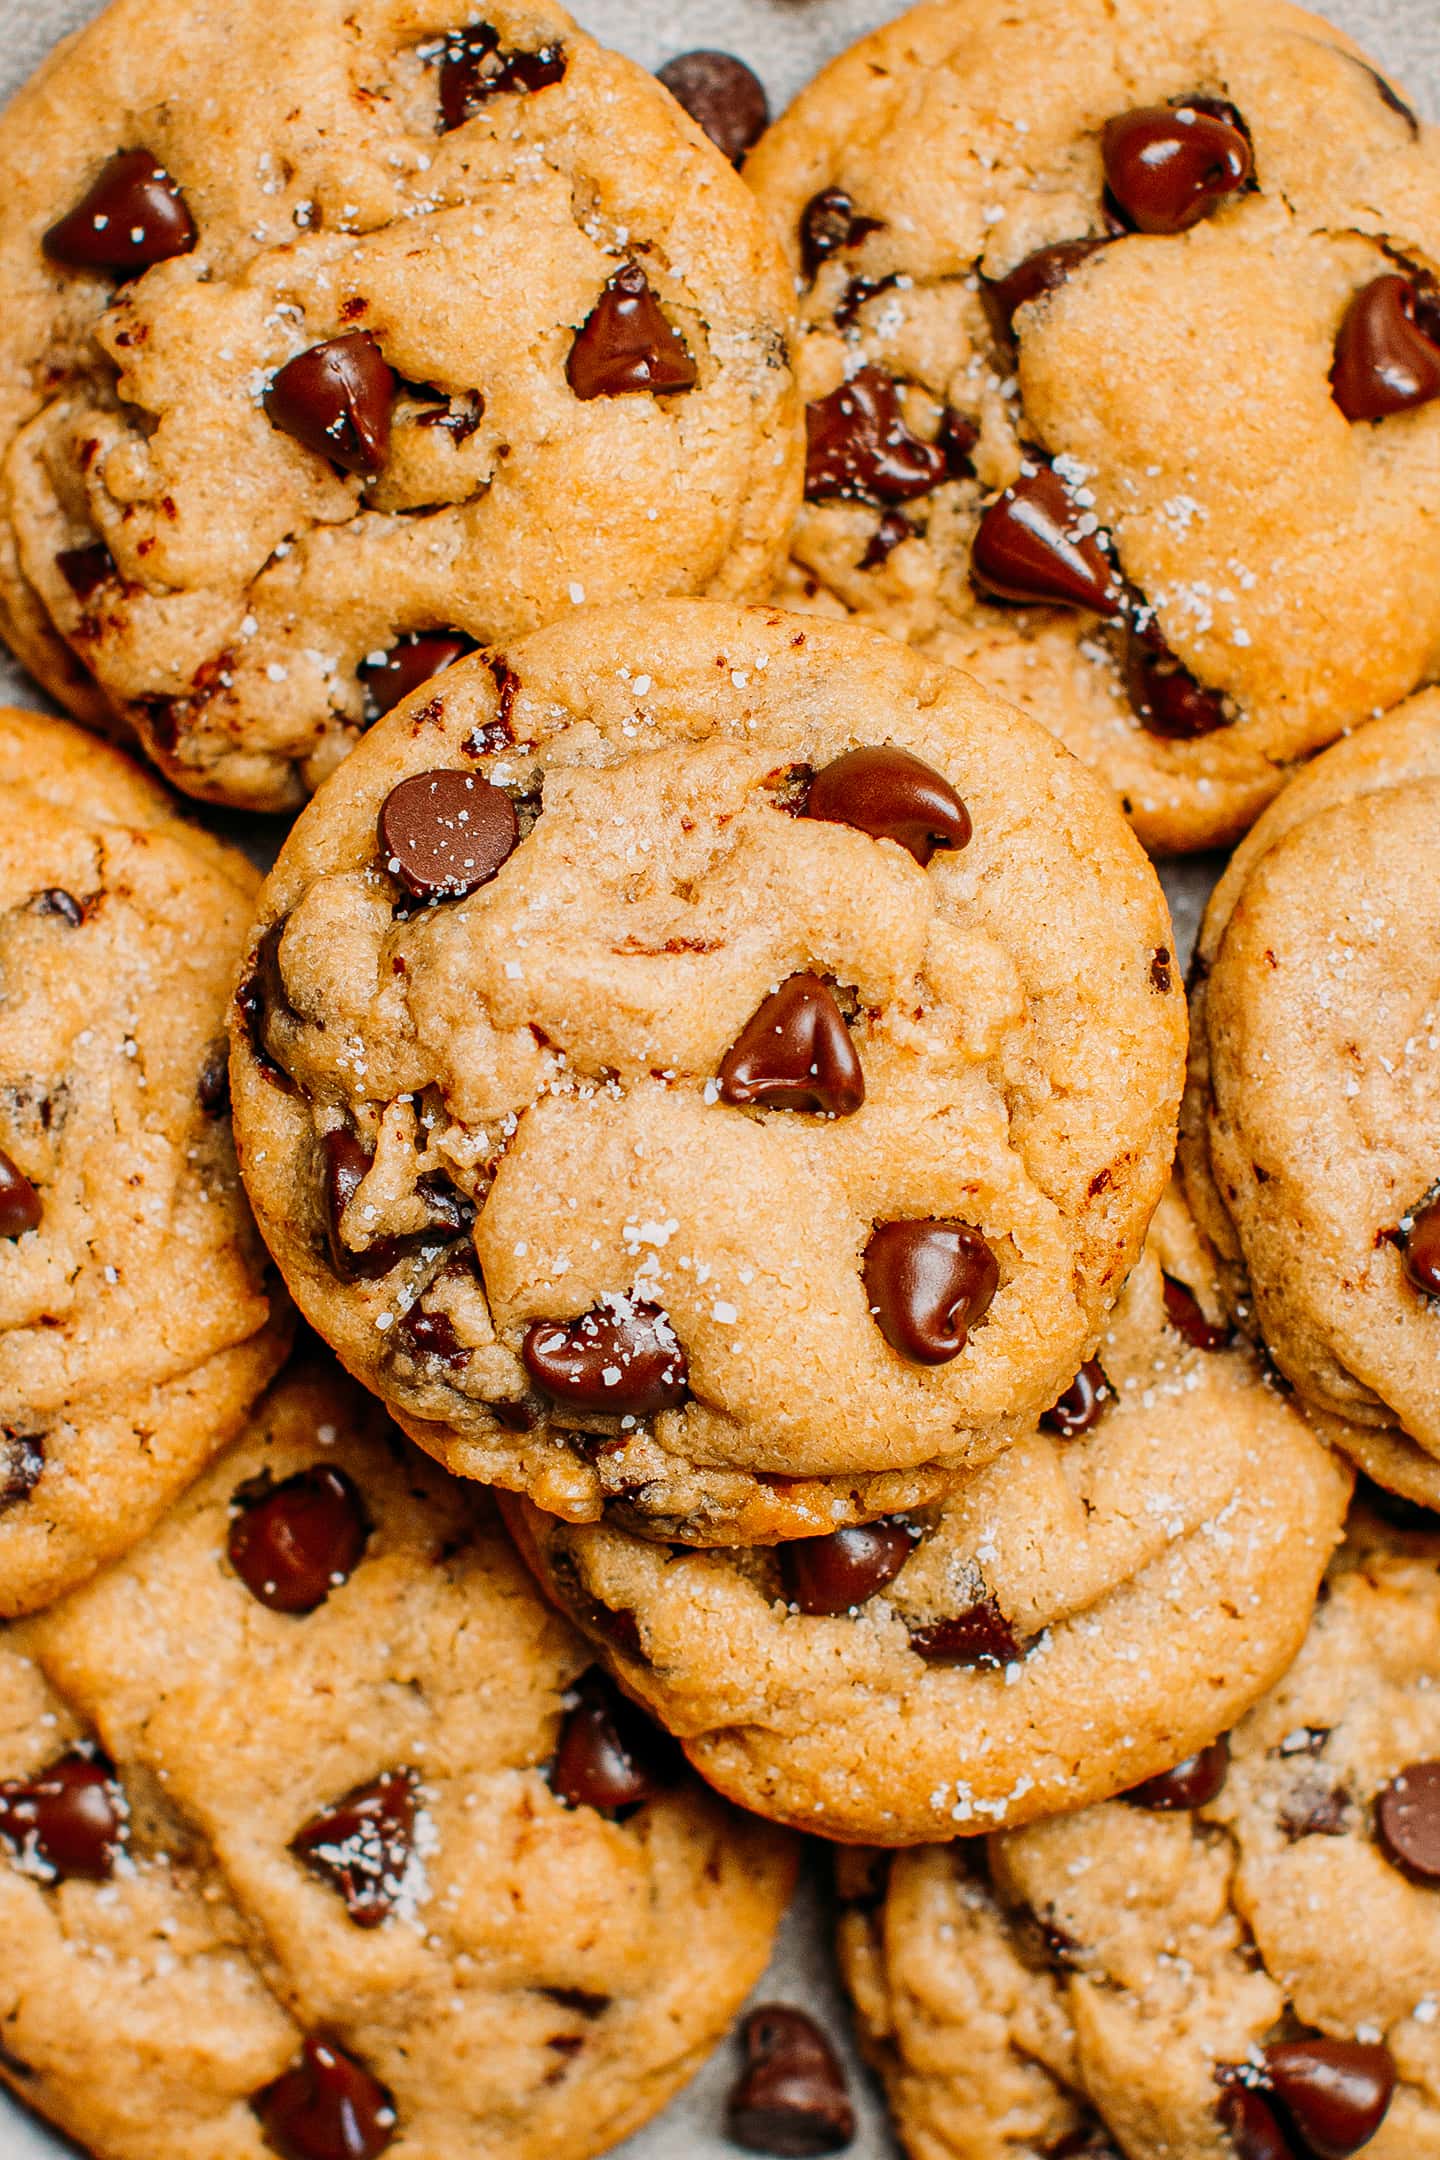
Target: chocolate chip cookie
pixel 139 1317
pixel 308 391
pixel 1312 1122
pixel 1085 1611
pixel 1122 378
pixel 1240 1959
pixel 326 1823
pixel 711 1065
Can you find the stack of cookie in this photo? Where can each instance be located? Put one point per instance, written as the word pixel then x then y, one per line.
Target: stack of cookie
pixel 712 1074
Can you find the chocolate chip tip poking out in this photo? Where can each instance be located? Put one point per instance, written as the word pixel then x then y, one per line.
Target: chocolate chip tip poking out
pixel 929 1284
pixel 1387 352
pixel 1034 545
pixel 892 795
pixel 132 215
pixel 1169 166
pixel 327 2106
pixel 609 1755
pixel 335 399
pixel 627 344
pixel 21 1208
pixel 795 1053
pixel 1193 1783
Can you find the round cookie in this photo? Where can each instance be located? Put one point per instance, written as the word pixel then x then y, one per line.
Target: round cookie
pixel 1084 1612
pixel 1244 1960
pixel 1311 1142
pixel 309 388
pixel 1076 278
pixel 710 1066
pixel 139 1315
pixel 311 1801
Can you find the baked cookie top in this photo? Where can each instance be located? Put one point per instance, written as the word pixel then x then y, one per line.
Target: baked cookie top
pixel 309 387
pixel 1242 1959
pixel 1122 384
pixel 1087 1610
pixel 709 1064
pixel 312 1806
pixel 139 1317
pixel 1312 1123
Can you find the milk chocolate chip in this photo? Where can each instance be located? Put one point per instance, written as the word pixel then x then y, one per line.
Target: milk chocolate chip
pixel 928 1285
pixel 1169 166
pixel 829 1575
pixel 291 1544
pixel 891 795
pixel 443 834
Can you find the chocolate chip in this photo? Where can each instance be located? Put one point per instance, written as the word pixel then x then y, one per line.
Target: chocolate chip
pixel 1407 1817
pixel 830 222
pixel 891 795
pixel 610 1756
pixel 1167 167
pixel 1082 1405
pixel 1421 1247
pixel 291 1544
pixel 722 96
pixel 1335 2093
pixel 1165 697
pixel 22 1464
pixel 446 833
pixel 1162 966
pixel 829 1575
pixel 347 1162
pixel 928 1284
pixel 54 900
pixel 260 995
pixel 86 569
pixel 411 660
pixel 473 70
pixel 1191 1784
pixel 887 536
pixel 326 2106
pixel 1307 1812
pixel 131 216
pixel 21 1207
pixel 626 344
pixel 981 1635
pixel 431 1335
pixel 1385 359
pixel 67 1824
pixel 795 1053
pixel 791 2097
pixel 212 1088
pixel 362 1845
pixel 1252 2124
pixel 336 399
pixel 1186 1315
pixel 1031 546
pixel 619 1360
pixel 957 438
pixel 1037 275
pixel 858 446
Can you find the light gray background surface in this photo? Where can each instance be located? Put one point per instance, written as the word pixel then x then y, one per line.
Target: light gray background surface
pixel 784 41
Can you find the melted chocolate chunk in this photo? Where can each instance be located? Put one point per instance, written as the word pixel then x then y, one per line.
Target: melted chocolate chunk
pixel 473 70
pixel 825 1576
pixel 1031 547
pixel 1186 1315
pixel 132 215
pixel 1191 1784
pixel 830 222
pixel 291 1544
pixel 67 1824
pixel 891 795
pixel 928 1284
pixel 1040 273
pixel 790 2097
pixel 981 1635
pixel 327 2106
pixel 1309 1812
pixel 1169 166
pixel 1407 1821
pixel 858 446
pixel 795 1053
pixel 21 1207
pixel 610 1756
pixel 414 659
pixel 887 536
pixel 1420 1245
pixel 336 400
pixel 22 1465
pixel 957 438
pixel 431 1335
pixel 1082 1405
pixel 1387 359
pixel 1335 2093
pixel 444 834
pixel 627 344
pixel 261 993
pixel 86 569
pixel 362 1845
pixel 722 96
pixel 620 1360
pixel 1164 696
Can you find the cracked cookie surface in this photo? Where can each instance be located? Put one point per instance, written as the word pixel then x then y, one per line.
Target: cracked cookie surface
pixel 1195 556
pixel 300 400
pixel 711 1065
pixel 361 1860
pixel 139 1315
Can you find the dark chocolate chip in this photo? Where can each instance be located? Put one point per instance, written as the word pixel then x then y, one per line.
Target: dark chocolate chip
pixel 346 1164
pixel 1169 166
pixel 444 834
pixel 957 438
pixel 981 1635
pixel 1252 2124
pixel 411 660
pixel 1335 2093
pixel 1162 964
pixel 858 446
pixel 856 293
pixel 1082 1405
pixel 790 2098
pixel 609 1755
pixel 458 417
pixel 1307 1812
pixel 21 1207
pixel 1164 696
pixel 326 2106
pixel 830 222
pixel 1185 1314
pixel 1407 1818
pixel 473 70
pixel 132 215
pixel 261 994
pixel 54 900
pixel 928 1284
pixel 1039 274
pixel 1030 547
pixel 795 1053
pixel 291 1544
pixel 22 1465
pixel 362 1845
pixel 336 399
pixel 86 569
pixel 1385 360
pixel 431 1335
pixel 829 1575
pixel 627 343
pixel 893 527
pixel 212 1089
pixel 1191 1784
pixel 722 96
pixel 67 1824
pixel 1421 1247
pixel 583 2001
pixel 891 795
pixel 620 1360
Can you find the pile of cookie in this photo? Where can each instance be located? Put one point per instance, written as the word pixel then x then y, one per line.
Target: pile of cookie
pixel 679 1271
